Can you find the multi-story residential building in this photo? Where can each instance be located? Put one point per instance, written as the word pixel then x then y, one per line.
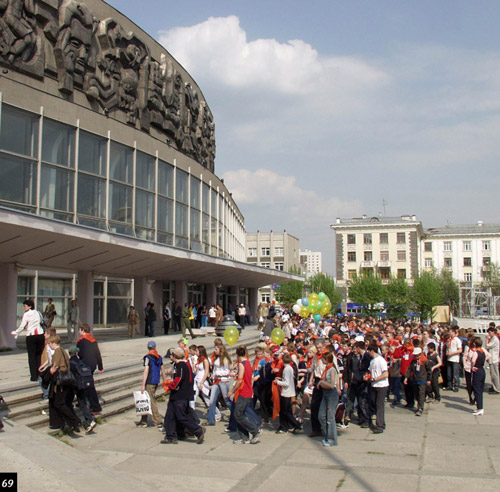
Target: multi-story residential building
pixel 466 250
pixel 387 246
pixel 310 262
pixel 274 250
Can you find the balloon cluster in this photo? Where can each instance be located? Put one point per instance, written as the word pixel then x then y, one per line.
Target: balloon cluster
pixel 318 305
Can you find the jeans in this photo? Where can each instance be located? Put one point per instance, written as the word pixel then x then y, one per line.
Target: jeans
pixel 453 374
pixel 327 411
pixel 245 424
pixel 249 412
pixel 204 321
pixel 395 385
pixel 152 328
pixel 45 391
pixel 222 387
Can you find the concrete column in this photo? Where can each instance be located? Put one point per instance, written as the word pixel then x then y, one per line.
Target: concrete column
pixel 181 292
pixel 211 294
pixel 253 297
pixel 85 298
pixel 155 290
pixel 8 304
pixel 140 299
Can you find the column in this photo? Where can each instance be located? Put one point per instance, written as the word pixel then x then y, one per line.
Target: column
pixel 85 298
pixel 211 294
pixel 141 299
pixel 8 304
pixel 181 292
pixel 253 296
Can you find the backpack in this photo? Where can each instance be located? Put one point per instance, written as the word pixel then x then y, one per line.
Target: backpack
pixel 43 321
pixel 82 373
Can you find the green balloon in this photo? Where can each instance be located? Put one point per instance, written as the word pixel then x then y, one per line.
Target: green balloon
pixel 317 317
pixel 277 336
pixel 321 296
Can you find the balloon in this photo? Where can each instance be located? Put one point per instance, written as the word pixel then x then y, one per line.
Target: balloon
pixel 277 336
pixel 321 296
pixel 317 317
pixel 231 335
pixel 274 301
pixel 296 308
pixel 305 301
pixel 327 299
pixel 328 304
pixel 304 312
pixel 299 302
pixel 317 306
pixel 324 310
pixel 313 297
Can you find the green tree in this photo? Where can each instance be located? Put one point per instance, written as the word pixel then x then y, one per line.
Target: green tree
pixel 397 297
pixel 491 276
pixel 289 292
pixel 451 290
pixel 426 293
pixel 367 289
pixel 321 282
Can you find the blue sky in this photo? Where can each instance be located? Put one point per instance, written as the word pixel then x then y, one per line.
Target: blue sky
pixel 326 108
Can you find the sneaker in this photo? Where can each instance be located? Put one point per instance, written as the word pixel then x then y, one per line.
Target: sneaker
pixel 142 424
pixel 44 412
pixel 281 431
pixel 90 428
pixel 377 431
pixel 169 441
pixel 241 441
pixel 418 413
pixel 201 437
pixel 326 443
pixel 255 439
pixel 344 425
pixel 227 430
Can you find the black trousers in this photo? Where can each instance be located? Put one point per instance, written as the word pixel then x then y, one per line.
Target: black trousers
pixel 409 394
pixel 287 420
pixel 377 398
pixel 179 417
pixel 166 326
pixel 419 394
pixel 61 414
pixel 317 396
pixel 35 345
pixel 177 323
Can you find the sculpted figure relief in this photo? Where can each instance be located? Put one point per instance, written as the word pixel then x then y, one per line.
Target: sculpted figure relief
pixel 112 67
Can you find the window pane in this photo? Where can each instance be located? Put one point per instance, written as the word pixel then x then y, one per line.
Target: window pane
pixel 205 199
pixel 117 310
pixel 121 162
pixel 91 196
pixel 19 132
pixel 17 180
pixel 165 215
pixel 195 193
pixel 195 225
pixel 181 194
pixel 120 203
pixel 165 179
pixel 205 228
pixel 58 143
pixel 118 289
pixel 144 209
pixel 181 220
pixel 145 171
pixel 92 154
pixel 214 203
pixel 56 190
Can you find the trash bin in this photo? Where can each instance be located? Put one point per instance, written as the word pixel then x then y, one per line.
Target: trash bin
pixel 227 320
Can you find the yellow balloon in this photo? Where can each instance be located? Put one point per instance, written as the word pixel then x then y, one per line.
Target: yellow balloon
pixel 313 298
pixel 231 335
pixel 277 336
pixel 304 312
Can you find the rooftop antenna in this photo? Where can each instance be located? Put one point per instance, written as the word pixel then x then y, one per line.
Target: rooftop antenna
pixel 384 203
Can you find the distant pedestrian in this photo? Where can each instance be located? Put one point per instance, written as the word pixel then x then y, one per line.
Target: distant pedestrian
pixel 133 321
pixel 167 316
pixel 73 319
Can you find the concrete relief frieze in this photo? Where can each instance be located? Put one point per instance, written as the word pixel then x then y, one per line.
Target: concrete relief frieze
pixel 112 67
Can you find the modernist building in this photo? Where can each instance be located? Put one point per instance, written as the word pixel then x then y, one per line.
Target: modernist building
pixel 387 246
pixel 107 184
pixel 273 250
pixel 310 262
pixel 466 250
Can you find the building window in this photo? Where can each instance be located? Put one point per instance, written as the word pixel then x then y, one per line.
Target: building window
pixel 279 266
pixel 278 251
pixel 384 256
pixel 428 262
pixel 351 238
pixel 384 238
pixel 165 220
pixel 121 162
pixel 467 245
pixel 181 187
pixel 486 260
pixel 467 261
pixel 447 245
pixel 367 239
pixel 351 256
pixel 368 256
pixel 448 263
pixel 401 238
pixel 265 252
pixel 265 264
pixel 252 252
pixel 468 277
pixel 402 255
pixel 486 246
pixel 351 274
pixel 266 298
pixel 428 247
pixel 401 273
pixel 385 273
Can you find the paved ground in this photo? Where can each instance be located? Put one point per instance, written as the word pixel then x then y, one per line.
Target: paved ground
pixel 447 449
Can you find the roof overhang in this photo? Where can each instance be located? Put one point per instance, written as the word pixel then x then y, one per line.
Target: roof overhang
pixel 45 244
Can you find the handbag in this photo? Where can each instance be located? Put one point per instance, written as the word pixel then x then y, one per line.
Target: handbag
pixel 65 379
pixel 46 377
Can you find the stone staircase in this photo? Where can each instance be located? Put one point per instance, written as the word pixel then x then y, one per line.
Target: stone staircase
pixel 114 387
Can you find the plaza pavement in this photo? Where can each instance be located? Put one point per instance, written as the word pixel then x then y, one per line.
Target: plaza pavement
pixel 447 449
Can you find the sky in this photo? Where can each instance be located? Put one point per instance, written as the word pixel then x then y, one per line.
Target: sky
pixel 330 108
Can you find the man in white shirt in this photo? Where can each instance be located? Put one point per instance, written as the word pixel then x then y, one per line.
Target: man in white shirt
pixel 379 379
pixel 492 346
pixel 453 360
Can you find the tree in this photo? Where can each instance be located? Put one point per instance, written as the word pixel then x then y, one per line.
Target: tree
pixel 289 292
pixel 325 283
pixel 491 276
pixel 367 289
pixel 451 290
pixel 397 297
pixel 426 293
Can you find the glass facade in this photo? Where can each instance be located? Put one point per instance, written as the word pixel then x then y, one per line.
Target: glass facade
pixel 77 176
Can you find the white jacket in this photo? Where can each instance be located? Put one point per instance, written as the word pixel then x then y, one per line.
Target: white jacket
pixel 30 322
